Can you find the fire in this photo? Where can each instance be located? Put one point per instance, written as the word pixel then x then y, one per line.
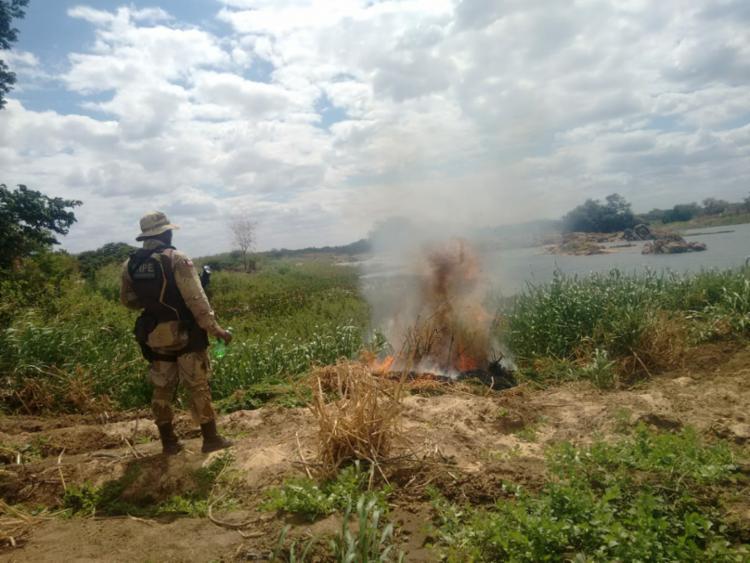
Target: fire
pixel 449 333
pixel 384 366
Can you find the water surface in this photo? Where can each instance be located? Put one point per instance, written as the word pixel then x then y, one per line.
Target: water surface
pixel 512 269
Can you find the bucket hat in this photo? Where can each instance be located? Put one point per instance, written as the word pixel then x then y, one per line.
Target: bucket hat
pixel 154 223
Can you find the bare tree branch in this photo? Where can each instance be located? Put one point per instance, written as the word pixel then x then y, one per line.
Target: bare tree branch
pixel 243 234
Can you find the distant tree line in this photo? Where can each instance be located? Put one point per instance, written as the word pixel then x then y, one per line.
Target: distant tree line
pixel 687 211
pixel 615 213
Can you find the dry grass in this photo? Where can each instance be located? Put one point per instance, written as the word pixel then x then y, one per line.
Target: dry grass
pixel 663 345
pixel 15 524
pixel 358 415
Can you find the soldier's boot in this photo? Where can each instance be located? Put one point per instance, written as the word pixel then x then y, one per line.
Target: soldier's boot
pixel 212 440
pixel 170 444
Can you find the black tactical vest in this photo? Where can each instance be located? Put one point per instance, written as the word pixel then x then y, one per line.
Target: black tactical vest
pixel 152 274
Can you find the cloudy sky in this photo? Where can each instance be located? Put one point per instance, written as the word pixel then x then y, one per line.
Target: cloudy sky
pixel 319 117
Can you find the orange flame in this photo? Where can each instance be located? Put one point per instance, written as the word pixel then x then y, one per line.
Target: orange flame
pixel 384 366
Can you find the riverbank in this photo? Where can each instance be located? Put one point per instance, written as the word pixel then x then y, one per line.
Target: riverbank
pixel 707 221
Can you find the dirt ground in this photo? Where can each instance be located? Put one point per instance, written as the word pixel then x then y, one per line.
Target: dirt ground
pixel 464 444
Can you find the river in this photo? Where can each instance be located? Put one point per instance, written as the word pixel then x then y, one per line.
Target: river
pixel 511 269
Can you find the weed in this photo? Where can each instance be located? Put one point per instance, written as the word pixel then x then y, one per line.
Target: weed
pixel 600 370
pixel 312 500
pixel 528 433
pixel 292 555
pixel 372 541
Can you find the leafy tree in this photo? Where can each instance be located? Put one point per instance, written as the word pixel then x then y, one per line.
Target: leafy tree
pixel 597 217
pixel 9 9
pixel 29 221
pixel 682 212
pixel 111 253
pixel 713 206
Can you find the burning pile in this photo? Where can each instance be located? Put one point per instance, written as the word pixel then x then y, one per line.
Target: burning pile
pixel 446 330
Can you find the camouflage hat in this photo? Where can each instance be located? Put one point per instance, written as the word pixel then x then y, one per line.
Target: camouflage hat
pixel 154 223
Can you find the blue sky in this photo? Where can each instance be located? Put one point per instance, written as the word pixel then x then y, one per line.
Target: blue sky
pixel 319 118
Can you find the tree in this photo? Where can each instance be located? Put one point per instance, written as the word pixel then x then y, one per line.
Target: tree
pixel 681 212
pixel 111 253
pixel 29 221
pixel 597 217
pixel 243 235
pixel 9 9
pixel 713 206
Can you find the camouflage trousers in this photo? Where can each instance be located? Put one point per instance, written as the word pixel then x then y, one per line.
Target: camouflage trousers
pixel 193 371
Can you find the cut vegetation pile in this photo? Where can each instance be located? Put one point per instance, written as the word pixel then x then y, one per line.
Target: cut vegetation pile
pixel 358 415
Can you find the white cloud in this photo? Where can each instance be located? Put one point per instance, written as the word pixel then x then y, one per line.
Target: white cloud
pixel 324 117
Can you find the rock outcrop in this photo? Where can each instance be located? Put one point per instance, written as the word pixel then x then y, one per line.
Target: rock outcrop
pixel 676 245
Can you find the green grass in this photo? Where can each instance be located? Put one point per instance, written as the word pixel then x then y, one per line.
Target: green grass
pixel 285 319
pixel 581 325
pixel 648 497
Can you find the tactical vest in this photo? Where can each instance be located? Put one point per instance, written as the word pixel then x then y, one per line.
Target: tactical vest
pixel 152 274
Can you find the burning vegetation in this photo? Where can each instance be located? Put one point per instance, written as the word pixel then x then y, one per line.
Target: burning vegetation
pixel 445 329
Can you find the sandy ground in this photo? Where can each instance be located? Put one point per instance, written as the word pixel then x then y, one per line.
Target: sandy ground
pixel 461 443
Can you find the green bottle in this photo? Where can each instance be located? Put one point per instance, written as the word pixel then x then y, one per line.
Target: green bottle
pixel 219 349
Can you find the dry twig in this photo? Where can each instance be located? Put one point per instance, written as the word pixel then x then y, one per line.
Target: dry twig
pixel 302 457
pixel 59 469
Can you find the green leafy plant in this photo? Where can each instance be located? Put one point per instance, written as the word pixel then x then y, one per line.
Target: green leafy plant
pixel 647 497
pixel 371 542
pixel 308 498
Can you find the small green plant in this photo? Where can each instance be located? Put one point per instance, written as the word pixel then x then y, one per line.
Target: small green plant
pixel 312 500
pixel 600 370
pixel 292 555
pixel 372 541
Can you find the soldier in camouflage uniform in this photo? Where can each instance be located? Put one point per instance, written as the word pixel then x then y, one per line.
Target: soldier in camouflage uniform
pixel 173 329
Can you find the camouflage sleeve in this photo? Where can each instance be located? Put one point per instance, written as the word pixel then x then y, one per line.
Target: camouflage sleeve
pixel 192 292
pixel 127 294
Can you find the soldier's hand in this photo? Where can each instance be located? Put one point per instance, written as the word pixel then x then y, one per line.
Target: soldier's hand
pixel 225 335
